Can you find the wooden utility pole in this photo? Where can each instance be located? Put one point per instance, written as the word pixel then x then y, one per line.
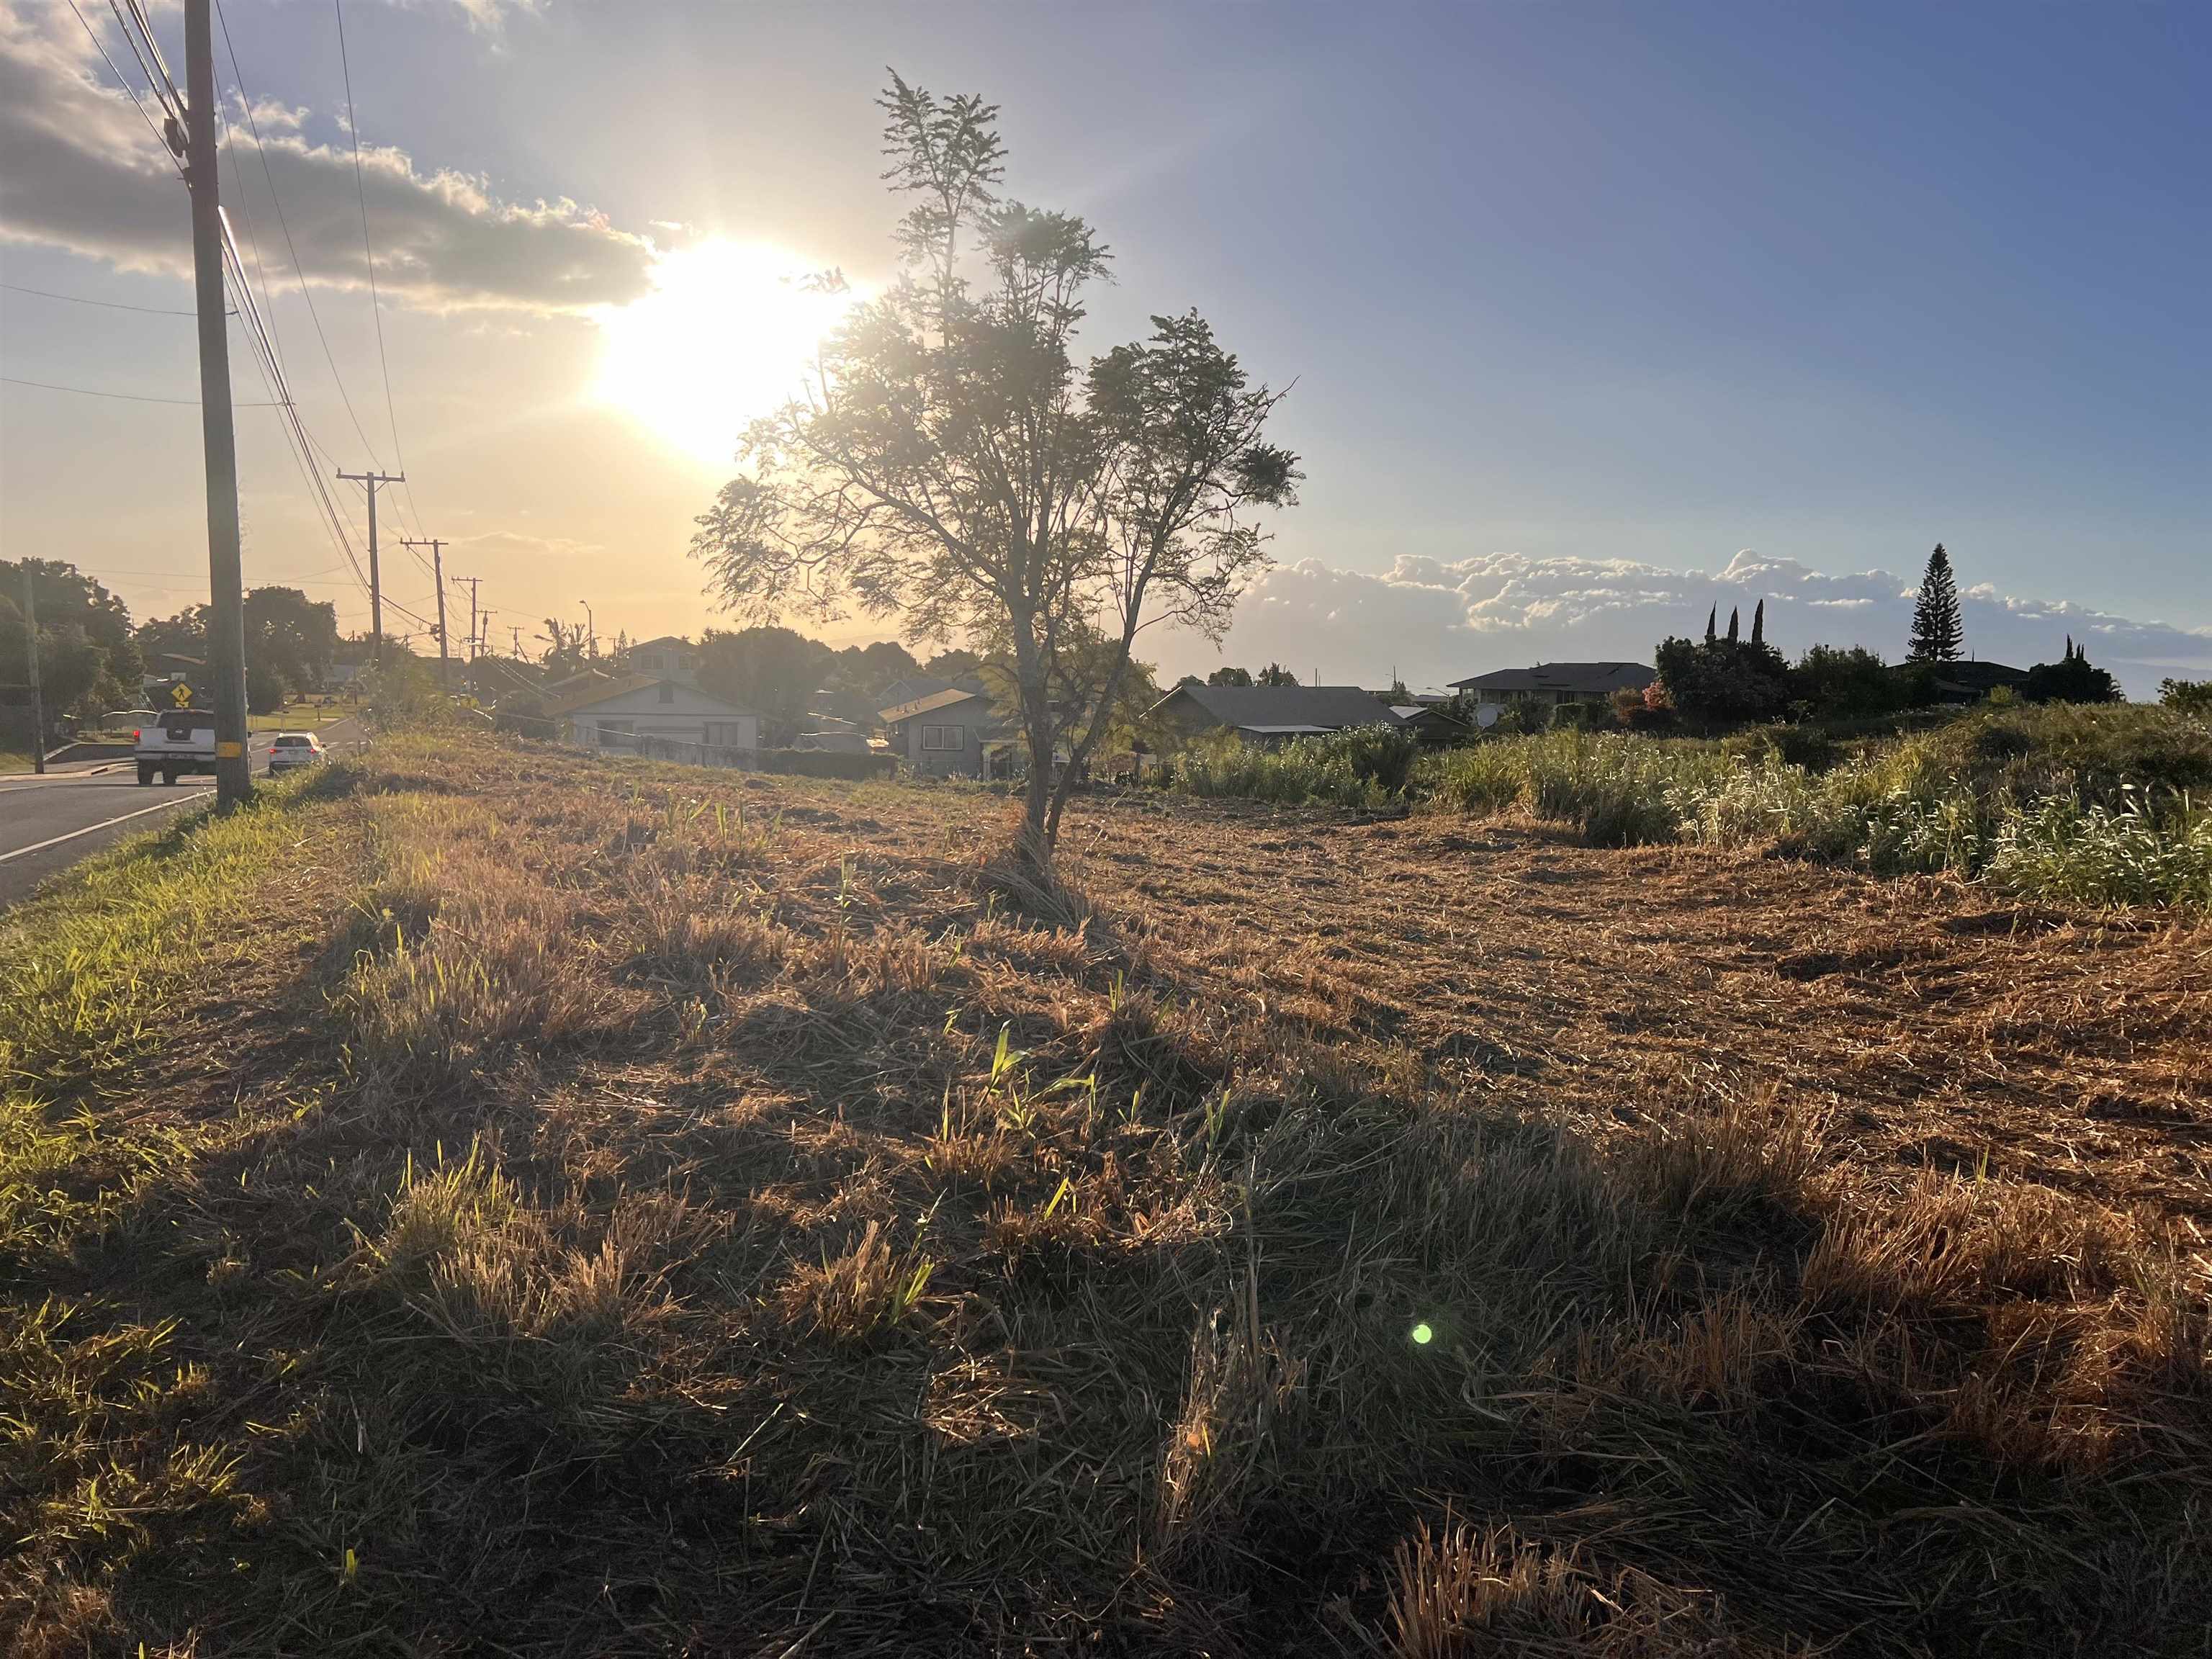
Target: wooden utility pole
pixel 233 774
pixel 38 697
pixel 473 641
pixel 370 481
pixel 438 575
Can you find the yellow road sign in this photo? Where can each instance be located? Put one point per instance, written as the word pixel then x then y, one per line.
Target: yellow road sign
pixel 181 695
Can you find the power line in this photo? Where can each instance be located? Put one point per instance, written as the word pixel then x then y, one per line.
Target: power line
pixel 110 305
pixel 125 397
pixel 299 273
pixel 238 176
pixel 163 89
pixel 100 47
pixel 375 304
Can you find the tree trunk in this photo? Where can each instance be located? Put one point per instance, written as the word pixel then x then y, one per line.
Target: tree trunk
pixel 1079 753
pixel 1036 844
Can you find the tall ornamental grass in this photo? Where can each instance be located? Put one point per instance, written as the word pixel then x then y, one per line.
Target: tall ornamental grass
pixel 2095 807
pixel 1366 768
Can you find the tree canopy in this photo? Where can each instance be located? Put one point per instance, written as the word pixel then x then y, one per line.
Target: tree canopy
pixel 86 654
pixel 954 465
pixel 1938 631
pixel 2072 678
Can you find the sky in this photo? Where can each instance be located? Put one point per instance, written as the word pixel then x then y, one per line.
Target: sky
pixel 1594 316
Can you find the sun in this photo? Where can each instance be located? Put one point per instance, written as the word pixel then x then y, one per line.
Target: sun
pixel 725 336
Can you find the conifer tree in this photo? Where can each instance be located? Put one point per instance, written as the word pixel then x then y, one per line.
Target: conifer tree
pixel 1937 634
pixel 1712 624
pixel 1758 623
pixel 1733 614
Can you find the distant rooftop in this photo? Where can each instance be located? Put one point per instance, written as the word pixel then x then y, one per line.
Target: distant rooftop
pixel 1593 679
pixel 1281 709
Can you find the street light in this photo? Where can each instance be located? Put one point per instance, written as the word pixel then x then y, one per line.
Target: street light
pixel 591 626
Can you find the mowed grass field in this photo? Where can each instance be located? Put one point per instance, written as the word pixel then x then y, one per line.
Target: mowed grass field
pixel 490 1199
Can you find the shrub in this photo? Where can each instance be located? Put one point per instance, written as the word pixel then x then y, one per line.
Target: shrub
pixel 1799 745
pixel 2070 679
pixel 264 689
pixel 1849 680
pixel 2187 696
pixel 1724 679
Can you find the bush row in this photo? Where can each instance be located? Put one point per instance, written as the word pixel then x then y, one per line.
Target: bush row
pixel 2095 805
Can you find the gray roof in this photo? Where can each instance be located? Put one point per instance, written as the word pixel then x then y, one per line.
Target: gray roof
pixel 1280 707
pixel 929 705
pixel 1593 679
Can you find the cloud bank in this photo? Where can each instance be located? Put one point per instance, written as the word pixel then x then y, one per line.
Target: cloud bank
pixel 81 172
pixel 1436 621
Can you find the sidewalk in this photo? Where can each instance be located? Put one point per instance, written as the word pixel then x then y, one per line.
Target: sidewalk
pixel 70 768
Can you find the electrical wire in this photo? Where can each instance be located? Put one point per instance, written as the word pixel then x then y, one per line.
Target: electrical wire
pixel 245 208
pixel 253 125
pixel 110 305
pixel 124 81
pixel 368 252
pixel 138 35
pixel 163 89
pixel 125 397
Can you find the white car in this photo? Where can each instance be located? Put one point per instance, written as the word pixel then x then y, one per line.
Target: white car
pixel 292 750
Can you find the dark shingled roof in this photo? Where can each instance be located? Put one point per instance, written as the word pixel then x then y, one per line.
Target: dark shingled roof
pixel 1327 708
pixel 1588 679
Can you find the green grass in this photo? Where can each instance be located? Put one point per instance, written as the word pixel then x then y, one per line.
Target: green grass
pixel 481 1198
pixel 95 976
pixel 298 717
pixel 2105 807
pixel 13 760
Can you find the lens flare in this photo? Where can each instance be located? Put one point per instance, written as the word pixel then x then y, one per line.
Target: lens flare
pixel 1422 1336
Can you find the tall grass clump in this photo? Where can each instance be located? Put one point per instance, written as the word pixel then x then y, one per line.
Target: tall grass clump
pixel 2152 851
pixel 1366 768
pixel 2101 806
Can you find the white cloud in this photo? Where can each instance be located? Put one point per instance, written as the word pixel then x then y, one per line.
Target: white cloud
pixel 83 172
pixel 1436 621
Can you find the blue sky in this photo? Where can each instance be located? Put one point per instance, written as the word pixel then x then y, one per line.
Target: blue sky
pixel 1582 283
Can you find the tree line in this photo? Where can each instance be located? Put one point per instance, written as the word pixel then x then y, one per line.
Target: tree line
pixel 92 656
pixel 1727 677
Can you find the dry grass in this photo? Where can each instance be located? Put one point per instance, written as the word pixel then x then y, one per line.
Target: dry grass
pixel 638 1211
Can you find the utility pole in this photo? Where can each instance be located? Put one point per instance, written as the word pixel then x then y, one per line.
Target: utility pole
pixel 438 575
pixel 475 644
pixel 370 481
pixel 233 772
pixel 38 697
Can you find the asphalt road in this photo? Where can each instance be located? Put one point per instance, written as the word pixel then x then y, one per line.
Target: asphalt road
pixel 48 824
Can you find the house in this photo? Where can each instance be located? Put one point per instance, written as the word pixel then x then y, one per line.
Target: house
pixel 1429 722
pixel 676 659
pixel 1960 682
pixel 1550 685
pixel 915 686
pixel 652 714
pixel 1269 713
pixel 951 734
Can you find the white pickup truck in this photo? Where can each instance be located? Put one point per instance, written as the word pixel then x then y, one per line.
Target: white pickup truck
pixel 175 743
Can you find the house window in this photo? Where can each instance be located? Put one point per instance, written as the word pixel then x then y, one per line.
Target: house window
pixel 944 737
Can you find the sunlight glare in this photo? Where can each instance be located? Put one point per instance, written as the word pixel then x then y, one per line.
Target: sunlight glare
pixel 723 338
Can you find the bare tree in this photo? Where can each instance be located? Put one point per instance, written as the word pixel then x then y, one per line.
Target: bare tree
pixel 953 465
